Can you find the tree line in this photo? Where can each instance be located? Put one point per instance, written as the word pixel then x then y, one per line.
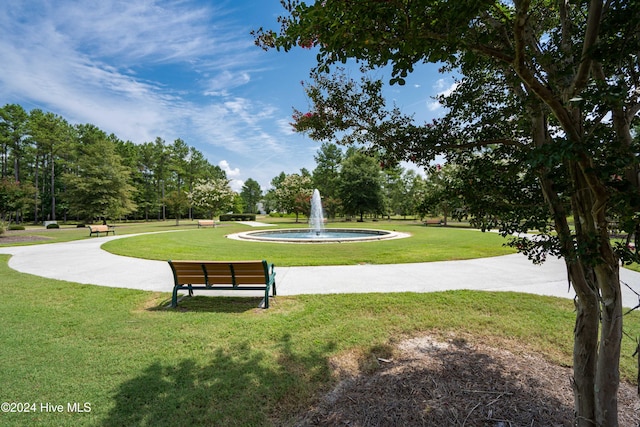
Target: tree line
pixel 52 170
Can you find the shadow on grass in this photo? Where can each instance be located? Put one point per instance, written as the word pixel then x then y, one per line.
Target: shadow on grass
pixel 207 304
pixel 238 386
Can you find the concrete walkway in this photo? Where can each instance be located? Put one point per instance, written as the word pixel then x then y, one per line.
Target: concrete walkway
pixel 83 261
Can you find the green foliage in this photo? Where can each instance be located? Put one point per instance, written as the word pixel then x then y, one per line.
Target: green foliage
pixel 251 195
pixel 360 186
pixel 52 226
pixel 100 185
pixel 13 196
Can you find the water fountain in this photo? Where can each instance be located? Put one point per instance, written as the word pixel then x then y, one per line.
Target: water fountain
pixel 317 232
pixel 316 218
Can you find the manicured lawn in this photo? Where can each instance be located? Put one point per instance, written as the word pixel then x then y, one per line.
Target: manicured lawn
pixel 37 234
pixel 221 361
pixel 425 244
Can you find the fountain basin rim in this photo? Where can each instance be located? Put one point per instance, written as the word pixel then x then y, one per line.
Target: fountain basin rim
pixel 368 235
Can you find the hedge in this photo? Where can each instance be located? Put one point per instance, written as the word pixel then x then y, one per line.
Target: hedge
pixel 237 217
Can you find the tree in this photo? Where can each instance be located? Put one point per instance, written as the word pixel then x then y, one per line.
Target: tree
pixel 360 187
pixel 251 194
pixel 13 197
pixel 214 194
pixel 98 186
pixel 558 84
pixel 51 135
pixel 177 201
pixel 392 190
pixel 443 192
pixel 198 168
pixel 13 134
pixel 147 194
pixel 412 193
pixel 161 164
pixel 293 194
pixel 326 176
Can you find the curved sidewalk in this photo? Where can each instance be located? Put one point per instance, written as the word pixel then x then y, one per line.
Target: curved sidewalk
pixel 83 261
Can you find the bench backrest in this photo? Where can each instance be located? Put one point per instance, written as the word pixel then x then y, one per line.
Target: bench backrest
pixel 99 227
pixel 236 273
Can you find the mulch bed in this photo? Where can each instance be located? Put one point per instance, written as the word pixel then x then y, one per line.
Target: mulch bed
pixel 432 382
pixel 10 239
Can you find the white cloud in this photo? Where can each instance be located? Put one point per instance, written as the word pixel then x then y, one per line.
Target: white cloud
pixel 231 173
pixel 285 126
pixel 443 90
pixel 221 83
pixel 57 58
pixel 236 185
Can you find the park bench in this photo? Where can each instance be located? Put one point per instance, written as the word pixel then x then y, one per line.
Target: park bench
pixel 206 223
pixel 97 229
pixel 433 222
pixel 223 275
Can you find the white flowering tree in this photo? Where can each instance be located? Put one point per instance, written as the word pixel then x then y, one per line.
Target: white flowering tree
pixel 213 194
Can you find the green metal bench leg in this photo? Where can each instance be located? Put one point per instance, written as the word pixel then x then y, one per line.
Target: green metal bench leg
pixel 174 298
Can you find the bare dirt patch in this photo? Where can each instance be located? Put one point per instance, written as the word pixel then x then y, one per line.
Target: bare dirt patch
pixel 10 239
pixel 436 382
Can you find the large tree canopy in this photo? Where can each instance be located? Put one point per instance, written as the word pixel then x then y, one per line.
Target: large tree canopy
pixel 542 118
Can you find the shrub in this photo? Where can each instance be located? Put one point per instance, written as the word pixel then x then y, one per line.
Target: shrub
pixel 237 217
pixel 52 226
pixel 16 227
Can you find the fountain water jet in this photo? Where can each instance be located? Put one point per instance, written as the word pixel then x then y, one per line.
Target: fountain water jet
pixel 316 218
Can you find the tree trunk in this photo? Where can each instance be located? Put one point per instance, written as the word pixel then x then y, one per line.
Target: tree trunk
pixel 594 276
pixel 608 373
pixel 36 184
pixel 53 188
pixel 585 346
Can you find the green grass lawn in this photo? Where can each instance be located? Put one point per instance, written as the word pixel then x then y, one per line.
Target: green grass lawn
pixel 221 361
pixel 425 244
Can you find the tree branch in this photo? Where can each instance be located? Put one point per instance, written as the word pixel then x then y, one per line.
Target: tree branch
pixel 590 39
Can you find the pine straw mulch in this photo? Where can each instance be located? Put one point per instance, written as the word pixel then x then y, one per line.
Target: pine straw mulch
pixel 437 382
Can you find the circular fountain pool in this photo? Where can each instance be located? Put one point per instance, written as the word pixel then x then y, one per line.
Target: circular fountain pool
pixel 327 235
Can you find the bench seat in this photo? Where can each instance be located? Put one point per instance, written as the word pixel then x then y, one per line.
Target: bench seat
pixel 223 275
pixel 206 223
pixel 97 229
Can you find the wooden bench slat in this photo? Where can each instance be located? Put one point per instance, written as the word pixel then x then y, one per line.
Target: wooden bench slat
pixel 223 275
pixel 97 229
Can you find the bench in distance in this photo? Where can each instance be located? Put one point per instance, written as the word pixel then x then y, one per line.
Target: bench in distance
pixel 223 275
pixel 97 229
pixel 206 223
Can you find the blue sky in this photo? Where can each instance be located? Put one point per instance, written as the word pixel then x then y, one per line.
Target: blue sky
pixel 175 69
